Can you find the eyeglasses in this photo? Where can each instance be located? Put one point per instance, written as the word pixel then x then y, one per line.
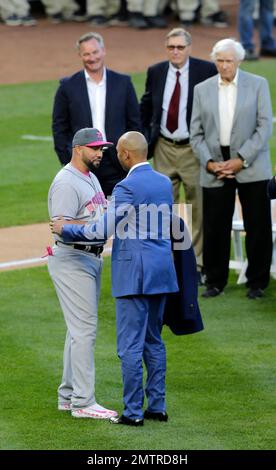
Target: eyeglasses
pixel 179 48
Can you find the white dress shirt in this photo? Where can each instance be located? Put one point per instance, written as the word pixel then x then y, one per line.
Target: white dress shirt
pixel 182 131
pixel 136 166
pixel 97 97
pixel 227 97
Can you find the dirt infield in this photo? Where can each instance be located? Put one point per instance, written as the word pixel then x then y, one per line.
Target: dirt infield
pixel 46 52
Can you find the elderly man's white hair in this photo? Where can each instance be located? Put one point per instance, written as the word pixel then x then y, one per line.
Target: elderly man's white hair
pixel 226 45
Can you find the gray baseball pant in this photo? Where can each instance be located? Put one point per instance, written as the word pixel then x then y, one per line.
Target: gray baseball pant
pixel 76 276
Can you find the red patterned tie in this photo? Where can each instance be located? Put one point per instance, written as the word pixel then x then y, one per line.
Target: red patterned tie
pixel 172 118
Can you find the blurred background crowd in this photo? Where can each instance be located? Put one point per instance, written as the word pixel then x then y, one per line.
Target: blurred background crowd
pixel 140 14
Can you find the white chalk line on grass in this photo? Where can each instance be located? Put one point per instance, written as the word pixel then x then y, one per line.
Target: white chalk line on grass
pixel 46 138
pixel 26 262
pixel 22 262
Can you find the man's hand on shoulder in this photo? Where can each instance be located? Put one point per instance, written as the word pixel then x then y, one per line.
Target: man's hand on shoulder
pixel 58 222
pixel 56 225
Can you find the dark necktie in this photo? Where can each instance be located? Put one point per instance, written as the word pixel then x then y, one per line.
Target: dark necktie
pixel 172 118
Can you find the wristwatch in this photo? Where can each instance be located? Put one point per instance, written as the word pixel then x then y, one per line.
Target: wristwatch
pixel 245 164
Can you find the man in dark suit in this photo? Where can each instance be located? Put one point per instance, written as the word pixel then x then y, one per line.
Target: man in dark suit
pixel 95 97
pixel 166 109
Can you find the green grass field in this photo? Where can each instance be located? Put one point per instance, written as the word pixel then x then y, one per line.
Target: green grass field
pixel 220 383
pixel 28 167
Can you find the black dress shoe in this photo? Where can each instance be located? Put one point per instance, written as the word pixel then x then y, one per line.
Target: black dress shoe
pixel 124 420
pixel 156 21
pixel 268 52
pixel 250 54
pixel 218 19
pixel 97 20
pixel 212 292
pixel 187 23
pixel 137 20
pixel 162 416
pixel 255 293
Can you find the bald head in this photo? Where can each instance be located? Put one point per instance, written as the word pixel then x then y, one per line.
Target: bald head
pixel 132 148
pixel 136 143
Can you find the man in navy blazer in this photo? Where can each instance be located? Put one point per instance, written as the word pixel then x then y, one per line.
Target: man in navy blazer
pixel 143 273
pixel 171 150
pixel 95 97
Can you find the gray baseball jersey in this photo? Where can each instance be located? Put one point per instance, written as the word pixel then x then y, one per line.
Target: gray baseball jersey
pixel 76 275
pixel 76 195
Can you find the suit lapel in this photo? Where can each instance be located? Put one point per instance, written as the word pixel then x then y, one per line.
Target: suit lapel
pixel 109 105
pixel 191 83
pixel 241 95
pixel 159 91
pixel 84 99
pixel 213 98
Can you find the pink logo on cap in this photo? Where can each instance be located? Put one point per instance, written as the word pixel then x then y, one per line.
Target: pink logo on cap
pixel 99 135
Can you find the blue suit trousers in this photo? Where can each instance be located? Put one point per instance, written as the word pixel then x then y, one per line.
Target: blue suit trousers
pixel 139 322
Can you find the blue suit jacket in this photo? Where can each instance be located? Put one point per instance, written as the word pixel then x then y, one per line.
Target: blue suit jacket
pixel 151 101
pixel 140 265
pixel 72 112
pixel 145 266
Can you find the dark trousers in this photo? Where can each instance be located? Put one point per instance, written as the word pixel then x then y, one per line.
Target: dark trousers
pixel 218 209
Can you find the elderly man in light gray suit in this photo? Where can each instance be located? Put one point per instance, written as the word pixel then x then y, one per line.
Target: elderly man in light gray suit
pixel 230 128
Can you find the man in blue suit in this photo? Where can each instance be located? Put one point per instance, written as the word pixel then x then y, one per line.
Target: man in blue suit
pixel 143 273
pixel 95 97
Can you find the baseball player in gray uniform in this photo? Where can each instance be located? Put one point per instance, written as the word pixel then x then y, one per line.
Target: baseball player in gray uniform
pixel 75 270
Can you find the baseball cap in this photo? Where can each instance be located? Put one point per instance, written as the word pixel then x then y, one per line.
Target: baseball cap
pixel 90 137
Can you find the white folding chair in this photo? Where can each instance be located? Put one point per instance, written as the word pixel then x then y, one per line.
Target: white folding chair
pixel 239 263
